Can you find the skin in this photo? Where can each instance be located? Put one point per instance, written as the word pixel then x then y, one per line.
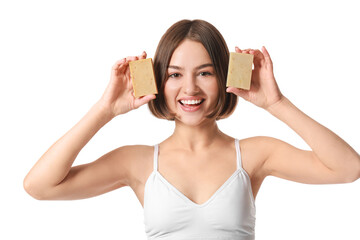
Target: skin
pixel 191 157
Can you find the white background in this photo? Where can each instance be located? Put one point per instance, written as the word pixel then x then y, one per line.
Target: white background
pixel 55 61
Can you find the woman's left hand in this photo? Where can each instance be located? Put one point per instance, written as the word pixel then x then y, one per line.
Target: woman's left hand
pixel 264 91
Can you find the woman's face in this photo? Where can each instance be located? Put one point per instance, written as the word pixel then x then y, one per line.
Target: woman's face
pixel 191 90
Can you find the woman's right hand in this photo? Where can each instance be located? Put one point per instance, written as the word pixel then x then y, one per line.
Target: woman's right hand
pixel 118 97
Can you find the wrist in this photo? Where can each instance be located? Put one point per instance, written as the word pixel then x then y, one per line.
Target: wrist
pixel 104 111
pixel 278 105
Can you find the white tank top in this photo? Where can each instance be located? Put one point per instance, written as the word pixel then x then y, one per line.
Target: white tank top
pixel 229 214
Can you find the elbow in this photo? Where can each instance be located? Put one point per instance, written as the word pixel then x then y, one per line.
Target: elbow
pixel 353 174
pixel 32 190
pixel 357 174
pixel 350 179
pixel 349 171
pixel 357 171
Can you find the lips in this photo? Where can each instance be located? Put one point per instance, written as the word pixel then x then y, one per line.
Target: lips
pixel 191 107
pixel 191 102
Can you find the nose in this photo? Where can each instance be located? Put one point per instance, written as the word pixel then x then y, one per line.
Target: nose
pixel 190 85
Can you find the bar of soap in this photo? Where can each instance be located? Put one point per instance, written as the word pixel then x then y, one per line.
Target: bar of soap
pixel 240 69
pixel 143 78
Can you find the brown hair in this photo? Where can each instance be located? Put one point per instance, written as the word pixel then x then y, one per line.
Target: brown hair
pixel 205 33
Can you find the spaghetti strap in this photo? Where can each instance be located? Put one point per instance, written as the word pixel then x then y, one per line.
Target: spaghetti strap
pixel 238 154
pixel 156 150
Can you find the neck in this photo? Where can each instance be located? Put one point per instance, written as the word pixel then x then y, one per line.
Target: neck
pixel 195 138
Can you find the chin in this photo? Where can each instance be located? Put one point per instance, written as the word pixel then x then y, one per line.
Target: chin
pixel 192 121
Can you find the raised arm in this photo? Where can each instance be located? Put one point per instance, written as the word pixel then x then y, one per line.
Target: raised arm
pixel 53 177
pixel 331 160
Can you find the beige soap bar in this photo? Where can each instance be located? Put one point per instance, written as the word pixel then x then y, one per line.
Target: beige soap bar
pixel 143 78
pixel 240 69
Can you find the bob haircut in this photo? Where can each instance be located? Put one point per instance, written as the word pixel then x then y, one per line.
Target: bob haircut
pixel 205 33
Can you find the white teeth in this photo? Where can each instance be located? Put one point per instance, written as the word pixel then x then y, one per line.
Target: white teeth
pixel 190 102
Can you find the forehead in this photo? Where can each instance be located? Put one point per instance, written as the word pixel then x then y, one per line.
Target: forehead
pixel 190 53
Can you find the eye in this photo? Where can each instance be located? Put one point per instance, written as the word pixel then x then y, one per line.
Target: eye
pixel 204 74
pixel 174 75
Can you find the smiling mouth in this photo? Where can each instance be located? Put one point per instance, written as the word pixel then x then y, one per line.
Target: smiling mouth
pixel 190 103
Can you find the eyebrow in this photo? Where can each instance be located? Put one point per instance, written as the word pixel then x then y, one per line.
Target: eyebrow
pixel 197 68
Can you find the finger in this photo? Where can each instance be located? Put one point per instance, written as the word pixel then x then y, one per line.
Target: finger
pixel 122 68
pixel 118 64
pixel 239 92
pixel 132 58
pixel 258 57
pixel 266 56
pixel 143 100
pixel 119 67
pixel 143 55
pixel 237 49
pixel 247 51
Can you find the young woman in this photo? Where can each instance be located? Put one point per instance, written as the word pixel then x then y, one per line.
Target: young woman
pixel 199 183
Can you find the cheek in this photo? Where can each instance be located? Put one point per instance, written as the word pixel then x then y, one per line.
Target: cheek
pixel 212 88
pixel 170 90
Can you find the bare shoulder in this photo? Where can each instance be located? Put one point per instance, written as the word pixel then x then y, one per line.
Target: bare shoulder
pixel 134 152
pixel 254 152
pixel 138 160
pixel 262 141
